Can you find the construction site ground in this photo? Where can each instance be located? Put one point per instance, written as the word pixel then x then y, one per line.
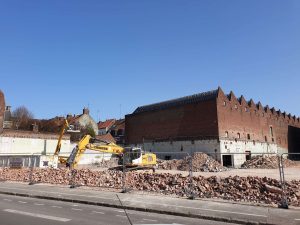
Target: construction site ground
pixel 199 208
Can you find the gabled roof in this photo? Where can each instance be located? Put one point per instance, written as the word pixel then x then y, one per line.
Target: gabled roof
pixel 178 101
pixel 105 124
pixel 106 137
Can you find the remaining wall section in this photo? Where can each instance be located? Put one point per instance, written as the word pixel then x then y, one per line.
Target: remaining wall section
pixel 189 121
pixel 25 142
pixel 231 146
pixel 179 148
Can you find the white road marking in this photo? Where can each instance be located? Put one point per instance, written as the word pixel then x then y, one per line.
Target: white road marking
pixel 43 216
pixel 55 206
pixel 297 219
pixel 118 210
pixel 121 216
pixel 150 220
pixel 75 205
pixel 8 200
pixel 22 202
pixel 98 212
pixel 39 204
pixel 76 209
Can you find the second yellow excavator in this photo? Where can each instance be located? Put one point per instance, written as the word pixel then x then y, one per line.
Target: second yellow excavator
pixel 133 158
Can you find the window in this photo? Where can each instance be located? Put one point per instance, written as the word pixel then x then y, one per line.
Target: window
pixel 272 139
pixel 238 135
pixel 246 109
pixel 224 103
pixel 226 134
pixel 248 136
pixel 235 106
pixel 266 139
pixel 271 131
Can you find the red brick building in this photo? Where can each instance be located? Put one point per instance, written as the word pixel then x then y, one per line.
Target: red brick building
pixel 213 122
pixel 2 109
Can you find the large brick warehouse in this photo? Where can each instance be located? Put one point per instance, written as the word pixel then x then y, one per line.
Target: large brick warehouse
pixel 215 123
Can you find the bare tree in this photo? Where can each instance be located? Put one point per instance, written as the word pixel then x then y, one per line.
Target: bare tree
pixel 21 117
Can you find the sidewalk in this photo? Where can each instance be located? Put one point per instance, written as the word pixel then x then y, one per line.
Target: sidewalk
pixel 212 210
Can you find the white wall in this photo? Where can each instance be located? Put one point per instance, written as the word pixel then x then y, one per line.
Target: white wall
pixel 176 149
pixel 16 145
pixel 232 146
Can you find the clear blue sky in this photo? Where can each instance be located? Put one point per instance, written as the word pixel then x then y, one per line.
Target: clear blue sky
pixel 58 56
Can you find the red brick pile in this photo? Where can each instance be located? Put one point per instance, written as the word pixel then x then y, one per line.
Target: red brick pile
pixel 201 162
pixel 248 189
pixel 266 162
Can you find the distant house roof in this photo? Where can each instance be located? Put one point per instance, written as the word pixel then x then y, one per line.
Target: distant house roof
pixel 105 124
pixel 178 101
pixel 106 137
pixel 119 124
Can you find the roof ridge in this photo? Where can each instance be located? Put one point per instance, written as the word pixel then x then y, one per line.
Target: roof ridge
pixel 178 101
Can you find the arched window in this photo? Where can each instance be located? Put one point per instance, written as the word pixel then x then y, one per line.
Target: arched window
pixel 238 135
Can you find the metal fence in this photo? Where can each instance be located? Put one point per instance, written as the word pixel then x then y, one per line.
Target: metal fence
pixel 110 171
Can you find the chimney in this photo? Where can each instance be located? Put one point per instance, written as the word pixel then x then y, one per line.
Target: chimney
pixel 69 116
pixel 86 111
pixel 35 128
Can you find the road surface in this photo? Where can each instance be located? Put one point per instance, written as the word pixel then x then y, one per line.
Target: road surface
pixel 16 210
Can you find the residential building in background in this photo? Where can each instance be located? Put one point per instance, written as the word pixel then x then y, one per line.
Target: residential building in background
pixel 105 126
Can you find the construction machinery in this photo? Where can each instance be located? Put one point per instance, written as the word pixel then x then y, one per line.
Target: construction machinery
pixel 133 158
pixel 53 160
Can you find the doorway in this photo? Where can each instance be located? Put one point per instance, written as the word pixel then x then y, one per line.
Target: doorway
pixel 227 160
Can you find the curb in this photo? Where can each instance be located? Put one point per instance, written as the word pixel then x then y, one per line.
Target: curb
pixel 219 219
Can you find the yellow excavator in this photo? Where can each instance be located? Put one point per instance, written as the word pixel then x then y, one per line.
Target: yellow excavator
pixel 132 158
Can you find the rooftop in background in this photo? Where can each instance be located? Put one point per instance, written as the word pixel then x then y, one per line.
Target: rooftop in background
pixel 106 137
pixel 204 96
pixel 178 101
pixel 106 123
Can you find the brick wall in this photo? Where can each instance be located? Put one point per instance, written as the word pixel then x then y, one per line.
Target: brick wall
pixel 2 109
pixel 238 116
pixel 189 121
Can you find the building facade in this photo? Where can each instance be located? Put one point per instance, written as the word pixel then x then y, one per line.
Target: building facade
pixel 213 122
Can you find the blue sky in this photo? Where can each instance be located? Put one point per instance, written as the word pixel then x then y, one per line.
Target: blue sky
pixel 58 56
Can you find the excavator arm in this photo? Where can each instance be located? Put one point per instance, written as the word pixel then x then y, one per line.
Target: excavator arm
pixel 61 134
pixel 87 142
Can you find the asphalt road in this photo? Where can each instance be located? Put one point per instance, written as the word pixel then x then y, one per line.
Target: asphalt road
pixel 16 210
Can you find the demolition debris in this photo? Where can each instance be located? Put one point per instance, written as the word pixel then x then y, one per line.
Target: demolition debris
pixel 246 189
pixel 266 162
pixel 201 162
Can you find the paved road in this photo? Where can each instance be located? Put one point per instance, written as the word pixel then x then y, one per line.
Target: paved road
pixel 28 211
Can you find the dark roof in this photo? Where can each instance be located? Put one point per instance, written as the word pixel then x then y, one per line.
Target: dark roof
pixel 178 101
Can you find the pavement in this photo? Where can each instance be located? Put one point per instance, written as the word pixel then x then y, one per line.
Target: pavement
pixel 201 209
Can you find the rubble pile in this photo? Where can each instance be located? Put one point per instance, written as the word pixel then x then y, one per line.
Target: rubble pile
pixel 112 162
pixel 266 162
pixel 201 162
pixel 248 189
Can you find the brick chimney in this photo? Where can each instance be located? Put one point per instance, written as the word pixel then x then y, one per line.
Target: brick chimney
pixel 86 111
